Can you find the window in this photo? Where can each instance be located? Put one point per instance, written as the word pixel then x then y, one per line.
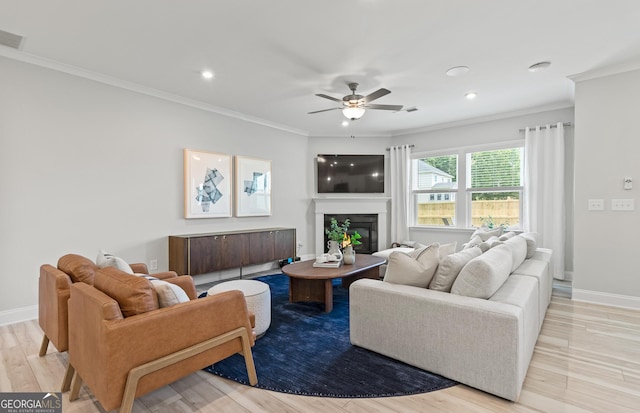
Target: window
pixel 434 179
pixel 495 184
pixel 490 184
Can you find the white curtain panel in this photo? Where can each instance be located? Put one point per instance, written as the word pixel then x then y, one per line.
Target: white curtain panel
pixel 544 205
pixel 400 162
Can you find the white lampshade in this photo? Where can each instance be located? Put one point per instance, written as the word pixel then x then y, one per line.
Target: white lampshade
pixel 353 112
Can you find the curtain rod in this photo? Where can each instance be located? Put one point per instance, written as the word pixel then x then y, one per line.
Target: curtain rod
pixel 411 146
pixel 550 126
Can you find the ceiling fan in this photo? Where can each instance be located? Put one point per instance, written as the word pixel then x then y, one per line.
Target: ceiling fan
pixel 353 105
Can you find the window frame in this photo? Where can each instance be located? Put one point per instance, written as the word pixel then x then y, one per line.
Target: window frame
pixel 463 191
pixel 432 192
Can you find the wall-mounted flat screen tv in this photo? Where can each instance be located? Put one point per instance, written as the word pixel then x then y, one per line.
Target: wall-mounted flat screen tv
pixel 350 174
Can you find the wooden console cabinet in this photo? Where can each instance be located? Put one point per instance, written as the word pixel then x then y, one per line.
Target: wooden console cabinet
pixel 195 254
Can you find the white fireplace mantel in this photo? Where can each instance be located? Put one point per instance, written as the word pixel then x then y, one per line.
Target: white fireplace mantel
pixel 350 205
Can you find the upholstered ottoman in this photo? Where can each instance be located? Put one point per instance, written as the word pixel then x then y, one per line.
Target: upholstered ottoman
pixel 258 297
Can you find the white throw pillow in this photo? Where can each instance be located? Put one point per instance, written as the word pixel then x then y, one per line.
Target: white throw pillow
pixel 169 294
pixel 484 275
pixel 447 249
pixel 531 238
pixel 385 253
pixel 476 241
pixel 104 259
pixel 449 268
pixel 485 233
pixel 415 269
pixel 507 235
pixel 518 247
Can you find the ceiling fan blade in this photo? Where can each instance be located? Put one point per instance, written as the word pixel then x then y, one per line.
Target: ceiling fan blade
pixel 375 95
pixel 384 107
pixel 329 97
pixel 323 110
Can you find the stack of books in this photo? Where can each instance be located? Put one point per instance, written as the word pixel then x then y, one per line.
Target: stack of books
pixel 327 264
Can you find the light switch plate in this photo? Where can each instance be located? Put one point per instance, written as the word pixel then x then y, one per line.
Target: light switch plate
pixel 596 205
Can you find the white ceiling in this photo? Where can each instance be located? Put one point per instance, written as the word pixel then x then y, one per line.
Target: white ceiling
pixel 271 57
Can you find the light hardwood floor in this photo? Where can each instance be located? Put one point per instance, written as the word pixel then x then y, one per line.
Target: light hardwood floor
pixel 587 359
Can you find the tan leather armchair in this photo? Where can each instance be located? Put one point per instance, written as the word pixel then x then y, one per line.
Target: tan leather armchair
pixel 122 358
pixel 53 294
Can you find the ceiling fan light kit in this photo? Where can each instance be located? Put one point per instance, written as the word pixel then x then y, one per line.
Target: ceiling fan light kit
pixel 354 106
pixel 353 112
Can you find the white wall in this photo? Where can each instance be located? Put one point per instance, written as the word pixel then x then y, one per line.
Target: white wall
pixel 487 132
pixel 86 166
pixel 607 147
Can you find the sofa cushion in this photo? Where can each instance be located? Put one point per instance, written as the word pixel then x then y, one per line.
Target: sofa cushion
pixel 494 242
pixel 104 259
pixel 169 294
pixel 476 241
pixel 541 254
pixel 507 235
pixel 78 268
pixel 135 295
pixel 415 269
pixel 450 267
pixel 485 233
pixel 532 241
pixel 447 249
pixel 483 275
pixel 386 253
pixel 518 247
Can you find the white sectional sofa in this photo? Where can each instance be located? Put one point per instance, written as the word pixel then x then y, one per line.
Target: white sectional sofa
pixel 482 333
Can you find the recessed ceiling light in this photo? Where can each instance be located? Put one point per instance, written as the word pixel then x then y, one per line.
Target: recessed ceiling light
pixel 539 67
pixel 471 95
pixel 457 71
pixel 207 74
pixel 345 123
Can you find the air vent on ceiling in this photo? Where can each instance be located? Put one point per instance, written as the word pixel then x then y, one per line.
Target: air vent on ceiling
pixel 10 39
pixel 411 109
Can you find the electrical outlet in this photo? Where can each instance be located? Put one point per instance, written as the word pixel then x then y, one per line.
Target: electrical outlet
pixel 596 205
pixel 153 265
pixel 622 205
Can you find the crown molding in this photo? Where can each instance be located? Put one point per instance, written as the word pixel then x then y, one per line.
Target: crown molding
pixel 627 66
pixel 14 54
pixel 480 119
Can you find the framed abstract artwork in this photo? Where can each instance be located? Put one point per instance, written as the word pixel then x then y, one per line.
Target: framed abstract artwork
pixel 253 187
pixel 207 184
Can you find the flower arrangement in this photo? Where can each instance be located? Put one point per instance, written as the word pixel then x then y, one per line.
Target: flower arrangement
pixel 339 232
pixel 351 240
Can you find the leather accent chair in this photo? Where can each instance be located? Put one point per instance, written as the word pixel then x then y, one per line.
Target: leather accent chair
pixel 120 358
pixel 53 293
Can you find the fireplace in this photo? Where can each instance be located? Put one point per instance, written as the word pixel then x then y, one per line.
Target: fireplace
pixel 365 224
pixel 350 207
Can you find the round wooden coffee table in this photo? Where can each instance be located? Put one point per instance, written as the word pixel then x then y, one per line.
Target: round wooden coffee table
pixel 308 283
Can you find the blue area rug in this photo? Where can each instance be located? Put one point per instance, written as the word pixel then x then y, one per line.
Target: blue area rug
pixel 307 352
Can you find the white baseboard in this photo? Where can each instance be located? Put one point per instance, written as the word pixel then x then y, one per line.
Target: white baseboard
pixel 614 300
pixel 18 315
